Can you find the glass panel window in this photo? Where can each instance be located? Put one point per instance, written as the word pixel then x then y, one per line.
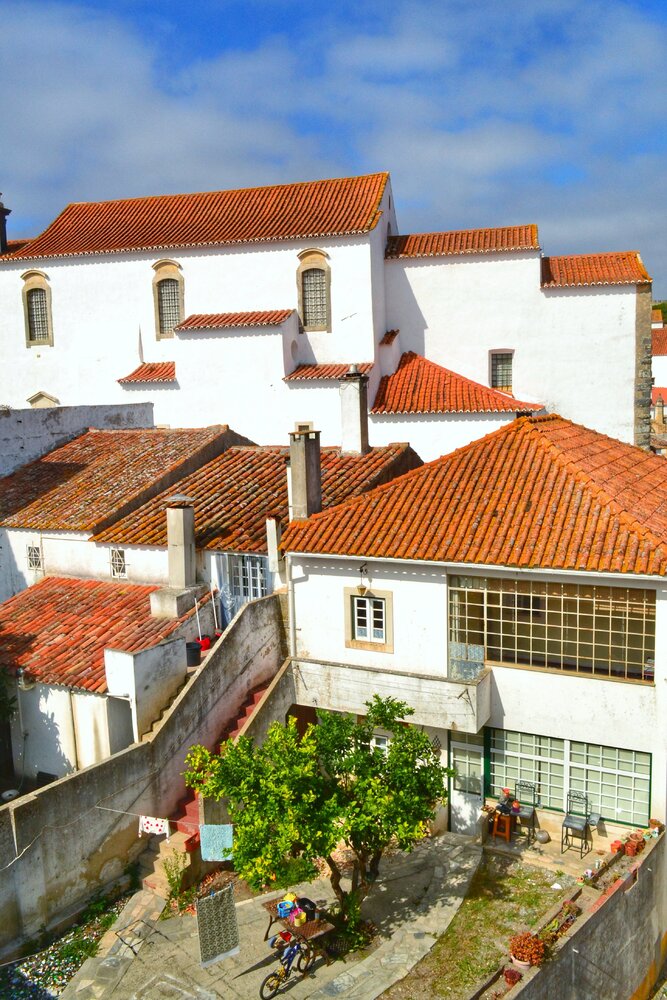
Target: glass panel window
pixel 522 757
pixel 38 314
pixel 34 557
pixel 168 301
pixel 118 565
pixel 501 371
pixel 368 619
pixel 248 577
pixel 314 286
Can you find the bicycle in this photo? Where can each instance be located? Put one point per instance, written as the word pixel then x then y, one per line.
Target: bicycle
pixel 300 951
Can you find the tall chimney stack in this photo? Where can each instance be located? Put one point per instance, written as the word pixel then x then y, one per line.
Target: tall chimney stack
pixel 660 410
pixel 181 542
pixel 354 412
pixel 305 471
pixel 4 212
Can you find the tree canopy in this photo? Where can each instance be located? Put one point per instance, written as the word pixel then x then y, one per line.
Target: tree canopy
pixel 293 799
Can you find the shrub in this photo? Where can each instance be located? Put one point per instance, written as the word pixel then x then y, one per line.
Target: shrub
pixel 528 947
pixel 512 976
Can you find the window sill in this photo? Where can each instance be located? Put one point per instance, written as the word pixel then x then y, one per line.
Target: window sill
pixel 375 647
pixel 557 672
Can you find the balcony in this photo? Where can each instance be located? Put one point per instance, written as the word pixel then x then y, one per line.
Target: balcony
pixel 460 705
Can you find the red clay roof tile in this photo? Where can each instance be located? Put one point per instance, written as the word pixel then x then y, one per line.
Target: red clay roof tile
pixel 337 207
pixel 624 268
pixel 58 629
pixel 421 386
pixel 658 393
pixel 223 321
pixel 463 241
pixel 303 372
pixel 659 342
pixel 541 492
pixel 234 494
pixel 389 338
pixel 79 486
pixel 151 371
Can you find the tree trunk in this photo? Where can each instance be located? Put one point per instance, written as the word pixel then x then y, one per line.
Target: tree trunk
pixel 335 879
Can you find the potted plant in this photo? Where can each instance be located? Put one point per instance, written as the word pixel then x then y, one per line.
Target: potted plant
pixel 527 949
pixel 512 976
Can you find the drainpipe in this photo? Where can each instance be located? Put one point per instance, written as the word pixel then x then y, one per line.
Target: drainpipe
pixel 76 742
pixel 290 606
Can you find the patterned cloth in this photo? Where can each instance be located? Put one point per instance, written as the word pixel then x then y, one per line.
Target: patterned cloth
pixel 153 826
pixel 216 841
pixel 217 927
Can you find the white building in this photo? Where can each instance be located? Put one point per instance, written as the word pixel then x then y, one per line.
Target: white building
pixel 513 593
pixel 243 305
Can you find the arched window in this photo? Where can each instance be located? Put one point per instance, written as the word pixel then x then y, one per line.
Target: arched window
pixel 167 297
pixel 37 309
pixel 314 284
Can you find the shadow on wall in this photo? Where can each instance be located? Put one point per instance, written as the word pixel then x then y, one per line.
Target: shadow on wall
pixel 409 318
pixel 11 578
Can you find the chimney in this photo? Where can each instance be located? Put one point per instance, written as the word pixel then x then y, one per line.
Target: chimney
pixel 305 471
pixel 4 212
pixel 660 410
pixel 354 412
pixel 181 542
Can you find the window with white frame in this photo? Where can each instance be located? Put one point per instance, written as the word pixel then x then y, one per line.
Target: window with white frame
pixel 467 762
pixel 381 742
pixel 118 564
pixel 248 576
pixel 599 631
pixel 34 553
pixel 368 619
pixel 501 370
pixel 616 782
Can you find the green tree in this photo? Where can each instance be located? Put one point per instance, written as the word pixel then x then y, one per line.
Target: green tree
pixel 293 799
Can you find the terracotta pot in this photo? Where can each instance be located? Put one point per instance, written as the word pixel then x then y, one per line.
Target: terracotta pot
pixel 519 964
pixel 631 848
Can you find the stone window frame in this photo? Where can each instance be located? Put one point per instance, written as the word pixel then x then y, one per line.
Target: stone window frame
pixel 166 269
pixel 34 280
pixel 314 259
pixel 383 595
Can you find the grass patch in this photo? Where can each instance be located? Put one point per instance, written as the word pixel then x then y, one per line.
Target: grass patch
pixel 505 896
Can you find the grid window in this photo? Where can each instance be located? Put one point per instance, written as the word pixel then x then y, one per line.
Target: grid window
pixel 501 371
pixel 314 286
pixel 467 761
pixel 35 557
pixel 599 631
pixel 248 577
pixel 522 757
pixel 368 618
pixel 168 303
pixel 38 315
pixel 118 564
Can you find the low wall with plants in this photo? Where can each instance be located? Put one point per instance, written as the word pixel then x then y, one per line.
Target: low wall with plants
pixel 61 843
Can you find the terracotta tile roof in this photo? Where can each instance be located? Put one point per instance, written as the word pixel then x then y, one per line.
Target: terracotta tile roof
pixel 223 321
pixel 303 372
pixel 58 629
pixel 658 393
pixel 463 241
pixel 79 486
pixel 541 492
pixel 421 386
pixel 389 338
pixel 158 371
pixel 13 246
pixel 656 316
pixel 659 342
pixel 234 494
pixel 594 269
pixel 337 207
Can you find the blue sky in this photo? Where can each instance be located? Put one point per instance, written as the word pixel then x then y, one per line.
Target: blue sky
pixel 485 113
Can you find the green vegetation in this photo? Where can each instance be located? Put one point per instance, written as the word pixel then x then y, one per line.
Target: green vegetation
pixel 294 799
pixel 7 700
pixel 663 307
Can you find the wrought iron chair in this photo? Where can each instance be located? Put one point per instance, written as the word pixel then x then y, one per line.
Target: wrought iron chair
pixel 525 792
pixel 576 823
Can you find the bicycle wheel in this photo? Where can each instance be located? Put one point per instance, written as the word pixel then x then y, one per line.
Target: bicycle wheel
pixel 306 957
pixel 270 986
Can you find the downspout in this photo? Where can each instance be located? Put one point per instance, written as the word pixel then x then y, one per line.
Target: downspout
pixel 290 606
pixel 76 743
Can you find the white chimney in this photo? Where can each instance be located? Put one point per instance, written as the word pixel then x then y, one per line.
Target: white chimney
pixel 305 472
pixel 181 542
pixel 354 412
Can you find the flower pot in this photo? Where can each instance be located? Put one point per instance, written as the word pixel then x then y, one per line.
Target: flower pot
pixel 519 964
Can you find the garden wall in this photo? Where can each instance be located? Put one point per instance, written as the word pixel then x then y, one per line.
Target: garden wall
pixel 61 843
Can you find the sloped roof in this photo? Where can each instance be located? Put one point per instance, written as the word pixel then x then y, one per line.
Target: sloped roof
pixel 58 629
pixel 78 486
pixel 151 371
pixel 540 492
pixel 234 494
pixel 309 372
pixel 658 393
pixel 223 321
pixel 624 268
pixel 421 386
pixel 463 241
pixel 338 207
pixel 659 342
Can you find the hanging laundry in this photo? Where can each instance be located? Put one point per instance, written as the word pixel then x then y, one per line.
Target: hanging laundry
pixel 216 841
pixel 217 926
pixel 153 826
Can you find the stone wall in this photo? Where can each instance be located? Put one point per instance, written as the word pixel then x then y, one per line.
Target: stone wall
pixel 61 843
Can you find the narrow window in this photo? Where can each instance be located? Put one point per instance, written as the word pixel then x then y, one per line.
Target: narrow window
pixel 118 565
pixel 314 287
pixel 501 371
pixel 368 619
pixel 35 557
pixel 37 309
pixel 168 297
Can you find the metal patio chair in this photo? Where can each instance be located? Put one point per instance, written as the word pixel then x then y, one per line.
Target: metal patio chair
pixel 525 792
pixel 576 823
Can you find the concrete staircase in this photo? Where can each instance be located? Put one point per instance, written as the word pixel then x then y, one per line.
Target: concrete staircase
pixel 151 863
pixel 247 709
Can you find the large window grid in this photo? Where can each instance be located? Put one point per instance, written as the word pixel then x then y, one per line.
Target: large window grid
pixel 248 577
pixel 600 631
pixel 38 315
pixel 169 305
pixel 616 782
pixel 501 371
pixel 314 284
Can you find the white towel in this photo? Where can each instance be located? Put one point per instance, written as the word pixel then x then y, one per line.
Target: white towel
pixel 153 826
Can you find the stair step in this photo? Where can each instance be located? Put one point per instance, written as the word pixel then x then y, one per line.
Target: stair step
pixel 158 884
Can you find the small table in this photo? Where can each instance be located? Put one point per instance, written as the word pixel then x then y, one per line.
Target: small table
pixel 310 933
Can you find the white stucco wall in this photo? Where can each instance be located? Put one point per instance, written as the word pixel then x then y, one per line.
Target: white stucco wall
pixel 148 679
pixel 574 348
pixel 433 435
pixel 659 370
